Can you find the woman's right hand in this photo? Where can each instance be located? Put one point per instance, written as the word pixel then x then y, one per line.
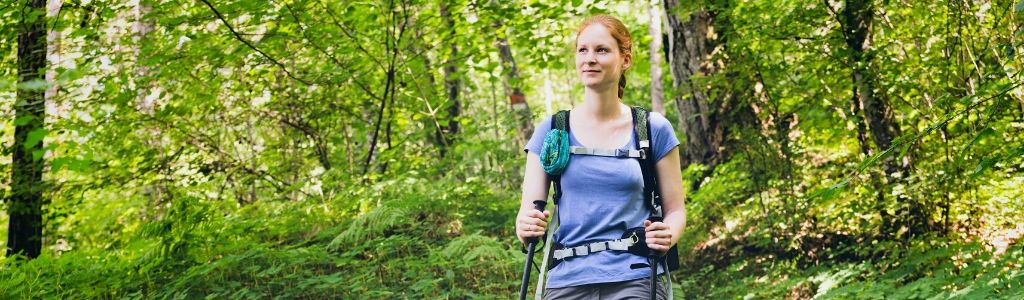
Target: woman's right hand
pixel 531 223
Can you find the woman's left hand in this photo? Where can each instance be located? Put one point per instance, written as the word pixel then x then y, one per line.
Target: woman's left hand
pixel 659 236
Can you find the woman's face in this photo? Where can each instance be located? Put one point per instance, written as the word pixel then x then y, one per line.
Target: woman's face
pixel 599 63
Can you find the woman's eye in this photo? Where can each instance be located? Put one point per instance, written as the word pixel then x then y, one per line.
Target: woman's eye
pixel 581 50
pixel 602 50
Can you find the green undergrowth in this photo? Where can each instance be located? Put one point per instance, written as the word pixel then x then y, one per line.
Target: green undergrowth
pixel 960 271
pixel 410 240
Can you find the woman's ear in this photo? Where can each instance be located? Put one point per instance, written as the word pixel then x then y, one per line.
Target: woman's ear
pixel 627 61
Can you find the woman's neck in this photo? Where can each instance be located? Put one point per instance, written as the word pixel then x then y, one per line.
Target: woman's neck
pixel 602 105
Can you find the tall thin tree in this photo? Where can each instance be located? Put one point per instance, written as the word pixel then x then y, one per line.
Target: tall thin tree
pixel 452 83
pixel 25 227
pixel 654 29
pixel 857 19
pixel 513 86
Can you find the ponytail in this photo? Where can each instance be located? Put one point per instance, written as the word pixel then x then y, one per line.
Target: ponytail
pixel 622 84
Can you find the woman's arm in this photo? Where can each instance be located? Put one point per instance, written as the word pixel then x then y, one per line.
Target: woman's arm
pixel 529 221
pixel 662 235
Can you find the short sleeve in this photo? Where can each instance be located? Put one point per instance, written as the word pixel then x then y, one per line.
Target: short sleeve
pixel 537 140
pixel 663 136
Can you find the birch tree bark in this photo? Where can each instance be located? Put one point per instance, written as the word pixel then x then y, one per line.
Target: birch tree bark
pixel 654 29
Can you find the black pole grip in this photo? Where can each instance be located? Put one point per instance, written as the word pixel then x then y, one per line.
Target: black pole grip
pixel 538 205
pixel 653 259
pixel 654 253
pixel 531 243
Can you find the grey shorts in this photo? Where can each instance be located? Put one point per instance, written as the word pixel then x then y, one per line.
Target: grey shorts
pixel 633 289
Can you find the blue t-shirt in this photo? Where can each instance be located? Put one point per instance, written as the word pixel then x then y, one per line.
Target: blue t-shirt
pixel 602 197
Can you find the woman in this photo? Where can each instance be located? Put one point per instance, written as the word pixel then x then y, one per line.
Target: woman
pixel 602 196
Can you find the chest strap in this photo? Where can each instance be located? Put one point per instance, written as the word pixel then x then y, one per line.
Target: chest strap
pixel 607 152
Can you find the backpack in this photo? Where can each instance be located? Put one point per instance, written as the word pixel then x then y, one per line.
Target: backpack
pixel 644 155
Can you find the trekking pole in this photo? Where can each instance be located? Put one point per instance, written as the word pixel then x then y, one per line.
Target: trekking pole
pixel 552 227
pixel 653 259
pixel 531 244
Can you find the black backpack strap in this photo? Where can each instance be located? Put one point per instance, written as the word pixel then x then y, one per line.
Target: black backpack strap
pixel 648 167
pixel 559 121
pixel 642 135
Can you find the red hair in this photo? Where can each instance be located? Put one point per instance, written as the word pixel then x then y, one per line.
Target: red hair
pixel 619 33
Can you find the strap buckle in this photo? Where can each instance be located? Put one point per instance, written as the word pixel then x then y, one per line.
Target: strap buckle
pixel 581 250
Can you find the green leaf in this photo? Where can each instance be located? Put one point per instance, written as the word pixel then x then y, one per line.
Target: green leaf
pixel 34 137
pixel 987 132
pixel 1020 6
pixel 34 85
pixel 984 165
pixel 73 164
pixel 69 74
pixel 23 120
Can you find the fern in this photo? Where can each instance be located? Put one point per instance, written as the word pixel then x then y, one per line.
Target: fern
pixel 370 225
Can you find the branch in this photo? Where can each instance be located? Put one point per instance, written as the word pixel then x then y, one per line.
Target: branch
pixel 355 40
pixel 842 23
pixel 905 142
pixel 251 46
pixel 329 55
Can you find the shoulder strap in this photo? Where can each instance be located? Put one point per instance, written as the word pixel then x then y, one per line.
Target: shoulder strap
pixel 652 194
pixel 559 121
pixel 642 134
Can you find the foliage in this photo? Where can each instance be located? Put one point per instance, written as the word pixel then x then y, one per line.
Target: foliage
pixel 928 270
pixel 304 149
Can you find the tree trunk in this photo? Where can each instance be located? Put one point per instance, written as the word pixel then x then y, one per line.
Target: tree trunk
pixel 857 17
pixel 856 107
pixel 654 30
pixel 690 49
pixel 25 227
pixel 142 26
pixel 517 100
pixel 452 82
pixel 392 44
pixel 145 102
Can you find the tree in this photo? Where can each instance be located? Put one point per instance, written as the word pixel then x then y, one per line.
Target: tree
pixel 871 106
pixel 857 23
pixel 25 229
pixel 452 82
pixel 707 91
pixel 654 29
pixel 512 84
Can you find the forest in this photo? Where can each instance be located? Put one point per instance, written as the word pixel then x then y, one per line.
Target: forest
pixel 373 149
